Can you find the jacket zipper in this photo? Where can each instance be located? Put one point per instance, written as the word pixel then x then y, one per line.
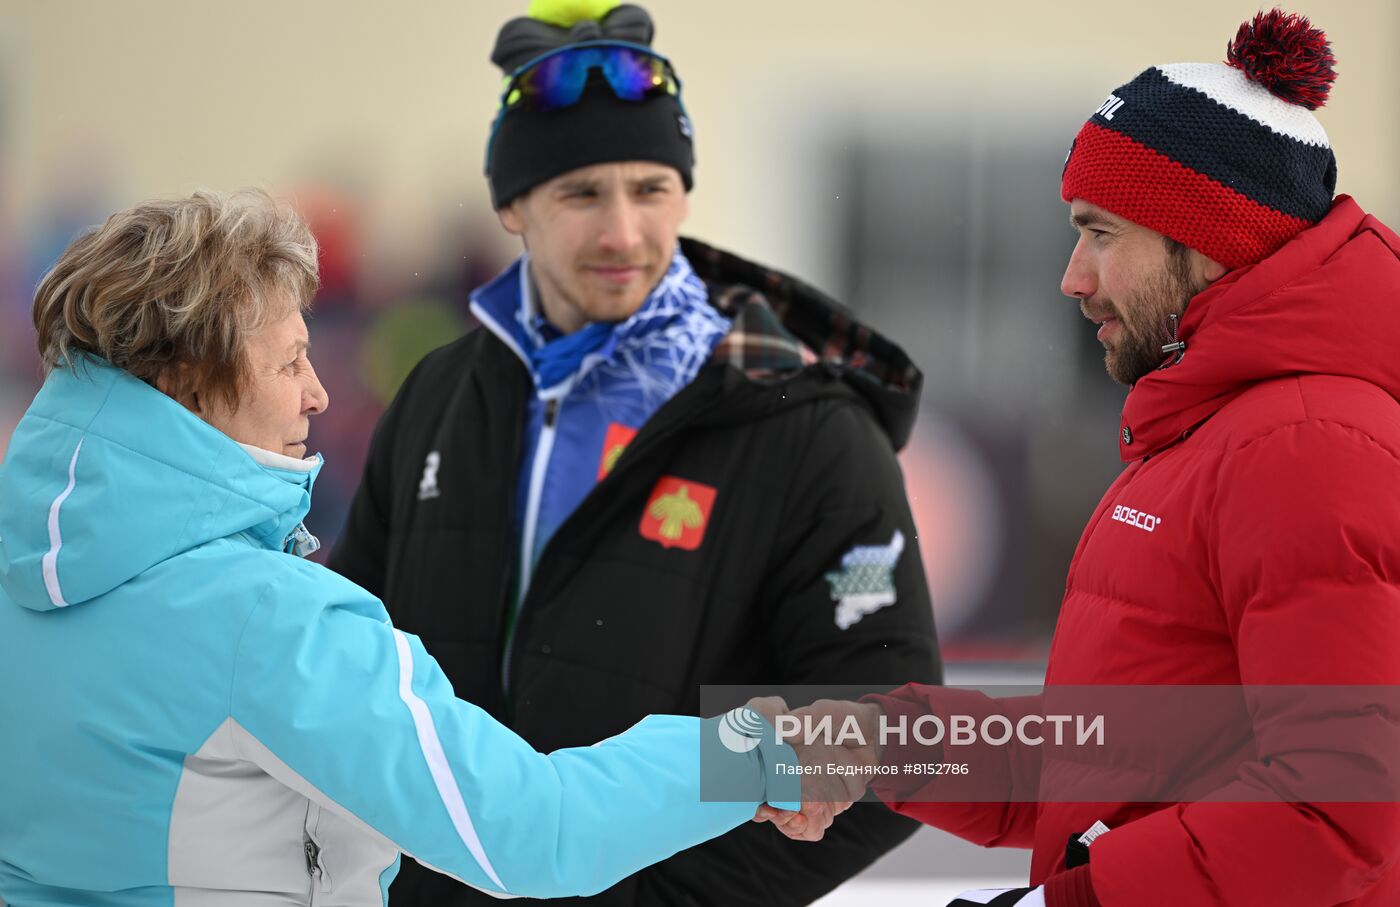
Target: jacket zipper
pixel 662 425
pixel 1173 345
pixel 319 879
pixel 539 469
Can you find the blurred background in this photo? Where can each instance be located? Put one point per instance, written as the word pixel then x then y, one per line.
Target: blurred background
pixel 903 155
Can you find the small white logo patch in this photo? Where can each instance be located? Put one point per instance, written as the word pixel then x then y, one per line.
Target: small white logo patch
pixel 1095 831
pixel 1144 521
pixel 428 486
pixel 865 582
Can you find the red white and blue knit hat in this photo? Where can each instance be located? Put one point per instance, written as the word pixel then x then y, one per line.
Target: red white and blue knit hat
pixel 1226 158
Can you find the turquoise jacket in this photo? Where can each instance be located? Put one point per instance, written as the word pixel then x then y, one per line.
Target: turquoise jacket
pixel 193 714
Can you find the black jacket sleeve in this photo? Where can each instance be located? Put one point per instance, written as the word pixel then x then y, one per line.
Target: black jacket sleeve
pixel 361 552
pixel 844 521
pixel 847 598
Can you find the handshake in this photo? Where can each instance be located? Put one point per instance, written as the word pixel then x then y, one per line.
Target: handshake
pixel 825 793
pixel 838 744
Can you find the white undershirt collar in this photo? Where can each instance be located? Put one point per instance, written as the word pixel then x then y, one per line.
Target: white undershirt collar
pixel 279 461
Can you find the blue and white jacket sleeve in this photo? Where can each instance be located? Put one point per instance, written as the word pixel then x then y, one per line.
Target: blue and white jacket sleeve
pixel 337 704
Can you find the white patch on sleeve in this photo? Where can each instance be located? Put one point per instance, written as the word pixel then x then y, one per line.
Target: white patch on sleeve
pixel 865 583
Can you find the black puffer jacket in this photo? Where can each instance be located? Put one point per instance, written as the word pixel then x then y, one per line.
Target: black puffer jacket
pixel 800 456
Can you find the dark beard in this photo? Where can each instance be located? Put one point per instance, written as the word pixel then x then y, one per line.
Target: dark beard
pixel 1146 323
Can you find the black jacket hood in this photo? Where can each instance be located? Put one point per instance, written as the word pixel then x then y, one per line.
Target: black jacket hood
pixel 865 360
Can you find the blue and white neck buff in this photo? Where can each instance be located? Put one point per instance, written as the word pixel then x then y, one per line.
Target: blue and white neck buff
pixel 601 380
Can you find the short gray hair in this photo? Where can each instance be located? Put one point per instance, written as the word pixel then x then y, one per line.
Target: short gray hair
pixel 178 283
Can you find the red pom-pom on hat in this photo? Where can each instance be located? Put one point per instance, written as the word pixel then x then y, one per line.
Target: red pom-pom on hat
pixel 1285 54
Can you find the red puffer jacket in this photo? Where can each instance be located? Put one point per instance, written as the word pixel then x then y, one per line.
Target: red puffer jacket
pixel 1267 465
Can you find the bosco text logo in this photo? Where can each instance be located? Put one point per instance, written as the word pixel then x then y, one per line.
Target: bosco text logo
pixel 1138 518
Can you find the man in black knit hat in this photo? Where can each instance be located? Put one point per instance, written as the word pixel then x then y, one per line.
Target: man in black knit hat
pixel 653 466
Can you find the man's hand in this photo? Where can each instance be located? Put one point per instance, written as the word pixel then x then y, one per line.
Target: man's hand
pixel 866 717
pixel 770 707
pixel 845 737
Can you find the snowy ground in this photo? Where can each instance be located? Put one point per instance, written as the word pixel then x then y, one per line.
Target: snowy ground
pixel 928 870
pixel 906 892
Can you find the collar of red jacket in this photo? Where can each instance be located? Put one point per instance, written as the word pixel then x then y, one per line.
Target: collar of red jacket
pixel 1327 303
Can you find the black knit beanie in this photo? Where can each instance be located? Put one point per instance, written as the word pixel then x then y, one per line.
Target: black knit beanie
pixel 529 147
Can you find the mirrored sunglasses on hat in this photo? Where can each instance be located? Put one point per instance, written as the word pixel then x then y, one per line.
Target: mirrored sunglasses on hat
pixel 557 79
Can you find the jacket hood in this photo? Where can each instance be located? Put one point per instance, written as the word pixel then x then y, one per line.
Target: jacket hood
pixel 867 361
pixel 1327 303
pixel 106 477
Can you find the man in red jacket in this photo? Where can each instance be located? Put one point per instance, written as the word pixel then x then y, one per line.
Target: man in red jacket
pixel 1254 537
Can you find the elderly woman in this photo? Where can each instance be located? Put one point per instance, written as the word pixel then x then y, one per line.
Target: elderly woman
pixel 192 712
